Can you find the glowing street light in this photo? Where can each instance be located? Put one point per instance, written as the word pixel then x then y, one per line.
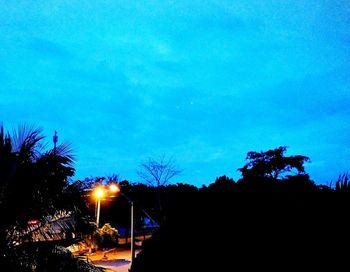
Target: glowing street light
pixel 99 193
pixel 114 188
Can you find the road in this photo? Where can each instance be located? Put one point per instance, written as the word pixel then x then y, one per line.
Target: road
pixel 117 259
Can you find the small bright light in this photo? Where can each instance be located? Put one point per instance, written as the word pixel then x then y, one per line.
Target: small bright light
pixel 99 192
pixel 114 188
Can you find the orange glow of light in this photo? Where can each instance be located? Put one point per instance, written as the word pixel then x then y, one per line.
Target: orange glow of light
pixel 114 188
pixel 99 193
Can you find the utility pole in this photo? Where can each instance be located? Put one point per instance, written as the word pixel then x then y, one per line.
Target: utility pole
pixel 132 233
pixel 132 228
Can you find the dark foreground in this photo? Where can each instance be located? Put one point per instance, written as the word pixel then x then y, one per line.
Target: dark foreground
pixel 252 227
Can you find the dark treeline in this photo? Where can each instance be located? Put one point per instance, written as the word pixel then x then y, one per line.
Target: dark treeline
pixel 231 224
pixel 255 222
pixel 272 218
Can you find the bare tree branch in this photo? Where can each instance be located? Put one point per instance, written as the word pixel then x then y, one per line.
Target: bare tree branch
pixel 158 172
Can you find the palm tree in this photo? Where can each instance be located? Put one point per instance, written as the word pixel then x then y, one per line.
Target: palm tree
pixel 34 187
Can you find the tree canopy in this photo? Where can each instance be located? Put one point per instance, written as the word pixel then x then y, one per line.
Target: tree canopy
pixel 272 164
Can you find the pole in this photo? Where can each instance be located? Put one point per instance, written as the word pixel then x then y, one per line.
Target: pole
pixel 132 234
pixel 132 229
pixel 98 212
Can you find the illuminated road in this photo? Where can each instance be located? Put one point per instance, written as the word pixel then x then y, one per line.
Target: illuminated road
pixel 117 259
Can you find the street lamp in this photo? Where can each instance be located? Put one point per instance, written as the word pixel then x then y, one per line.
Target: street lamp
pixel 113 188
pixel 99 194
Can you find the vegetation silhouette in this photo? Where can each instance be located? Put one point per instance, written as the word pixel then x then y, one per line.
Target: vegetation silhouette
pixel 265 220
pixel 39 206
pixel 272 163
pixel 157 173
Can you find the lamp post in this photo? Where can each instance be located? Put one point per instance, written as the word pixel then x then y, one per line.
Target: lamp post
pixel 114 188
pixel 99 193
pixel 132 228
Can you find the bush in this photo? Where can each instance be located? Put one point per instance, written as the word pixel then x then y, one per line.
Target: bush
pixel 107 236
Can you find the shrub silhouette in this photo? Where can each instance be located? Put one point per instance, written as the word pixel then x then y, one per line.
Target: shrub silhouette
pixel 107 236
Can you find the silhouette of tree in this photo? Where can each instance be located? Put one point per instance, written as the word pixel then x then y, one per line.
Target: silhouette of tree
pixel 91 182
pixel 34 177
pixel 157 173
pixel 34 185
pixel 263 224
pixel 222 184
pixel 272 163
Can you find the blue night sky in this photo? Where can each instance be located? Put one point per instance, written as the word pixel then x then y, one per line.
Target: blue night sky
pixel 202 81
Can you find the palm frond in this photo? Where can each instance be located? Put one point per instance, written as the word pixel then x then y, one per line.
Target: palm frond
pixel 26 142
pixel 64 150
